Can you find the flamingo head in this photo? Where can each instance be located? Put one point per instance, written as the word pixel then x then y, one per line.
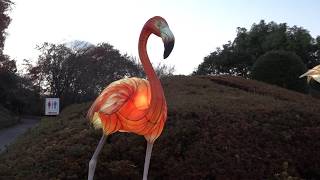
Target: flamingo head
pixel 159 26
pixel 313 73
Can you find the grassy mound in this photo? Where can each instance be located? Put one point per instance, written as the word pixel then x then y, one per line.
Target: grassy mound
pixel 6 118
pixel 217 128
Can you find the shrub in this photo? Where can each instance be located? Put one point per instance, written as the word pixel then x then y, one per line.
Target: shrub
pixel 281 68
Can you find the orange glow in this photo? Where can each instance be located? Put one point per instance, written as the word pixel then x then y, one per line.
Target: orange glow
pixel 141 101
pixel 125 106
pixel 133 104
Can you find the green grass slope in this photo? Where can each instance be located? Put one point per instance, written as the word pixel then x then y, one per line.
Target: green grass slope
pixel 217 128
pixel 6 118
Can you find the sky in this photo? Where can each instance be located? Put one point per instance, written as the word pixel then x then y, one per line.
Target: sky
pixel 199 26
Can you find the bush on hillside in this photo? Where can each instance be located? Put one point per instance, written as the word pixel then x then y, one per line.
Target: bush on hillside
pixel 281 68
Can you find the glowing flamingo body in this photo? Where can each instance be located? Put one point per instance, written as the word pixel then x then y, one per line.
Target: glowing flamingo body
pixel 133 104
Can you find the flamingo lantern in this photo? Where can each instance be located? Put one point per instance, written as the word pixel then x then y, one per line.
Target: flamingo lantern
pixel 313 73
pixel 132 104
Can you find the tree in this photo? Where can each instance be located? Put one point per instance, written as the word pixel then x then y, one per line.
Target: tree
pixel 97 67
pixel 17 93
pixel 5 63
pixel 78 71
pixel 280 68
pixel 224 61
pixel 53 69
pixel 163 70
pixel 8 82
pixel 238 57
pixel 4 20
pixel 9 79
pixel 80 74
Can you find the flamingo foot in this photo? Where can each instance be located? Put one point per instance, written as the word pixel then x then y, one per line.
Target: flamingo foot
pixel 147 160
pixel 94 159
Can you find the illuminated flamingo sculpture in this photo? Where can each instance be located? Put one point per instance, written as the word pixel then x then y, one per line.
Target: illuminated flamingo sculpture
pixel 313 73
pixel 133 104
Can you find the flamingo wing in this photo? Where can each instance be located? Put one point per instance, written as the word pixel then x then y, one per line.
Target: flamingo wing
pixel 119 95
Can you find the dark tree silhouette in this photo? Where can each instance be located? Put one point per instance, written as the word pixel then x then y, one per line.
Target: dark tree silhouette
pixel 238 56
pixel 78 74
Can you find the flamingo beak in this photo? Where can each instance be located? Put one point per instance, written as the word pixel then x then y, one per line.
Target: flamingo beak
pixel 168 41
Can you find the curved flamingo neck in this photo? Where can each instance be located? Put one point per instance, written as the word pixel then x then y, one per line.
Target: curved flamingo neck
pixel 155 85
pixel 147 66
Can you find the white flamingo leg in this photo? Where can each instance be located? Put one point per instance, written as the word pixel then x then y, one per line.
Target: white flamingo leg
pixel 147 160
pixel 94 159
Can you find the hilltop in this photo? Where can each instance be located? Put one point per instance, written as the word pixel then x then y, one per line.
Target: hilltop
pixel 218 128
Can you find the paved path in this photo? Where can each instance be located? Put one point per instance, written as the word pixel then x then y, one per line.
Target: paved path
pixel 8 135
